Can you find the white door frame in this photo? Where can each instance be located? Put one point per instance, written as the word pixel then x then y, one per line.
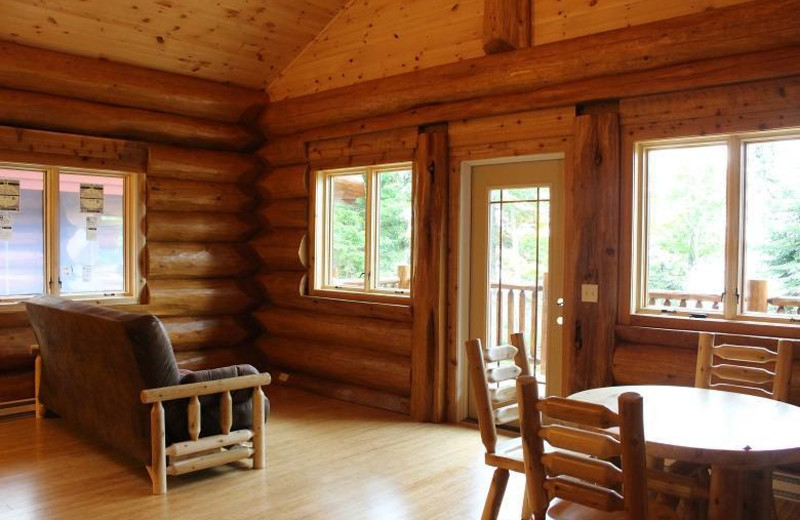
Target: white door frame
pixel 461 327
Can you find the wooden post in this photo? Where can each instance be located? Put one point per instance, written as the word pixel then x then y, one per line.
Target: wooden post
pixel 506 25
pixel 158 459
pixel 521 357
pixel 37 381
pixel 532 445
pixel 705 355
pixel 480 392
pixel 783 371
pixel 634 457
pixel 259 437
pixel 193 416
pixel 428 356
pixel 757 295
pixel 509 315
pixel 543 337
pixel 403 276
pixel 226 412
pixel 592 248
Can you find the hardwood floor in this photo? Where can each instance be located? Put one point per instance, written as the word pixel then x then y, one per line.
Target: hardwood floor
pixel 325 460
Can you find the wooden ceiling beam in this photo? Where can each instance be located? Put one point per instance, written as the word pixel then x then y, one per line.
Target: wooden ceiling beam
pixel 738 29
pixel 89 79
pixel 507 25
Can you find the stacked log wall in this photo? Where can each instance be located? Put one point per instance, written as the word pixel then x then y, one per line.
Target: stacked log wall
pixel 197 198
pixel 352 350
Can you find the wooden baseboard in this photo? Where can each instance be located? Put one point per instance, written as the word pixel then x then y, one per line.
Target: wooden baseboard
pixel 21 408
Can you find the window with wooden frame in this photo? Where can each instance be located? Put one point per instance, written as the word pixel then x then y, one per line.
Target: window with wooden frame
pixel 362 231
pixel 717 231
pixel 68 232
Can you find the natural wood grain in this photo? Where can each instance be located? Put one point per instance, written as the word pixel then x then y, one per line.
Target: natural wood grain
pixel 739 29
pixel 592 240
pixel 193 226
pixel 180 260
pixel 288 182
pixel 428 279
pixel 285 213
pixel 237 42
pixel 199 332
pixel 283 249
pixel 200 165
pixel 177 195
pixel 201 297
pixel 506 25
pixel 62 114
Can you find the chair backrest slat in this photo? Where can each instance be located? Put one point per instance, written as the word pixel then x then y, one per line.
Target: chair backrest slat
pixel 572 411
pixel 747 369
pixel 506 415
pixel 572 439
pixel 502 373
pixel 500 353
pixel 501 397
pixel 584 493
pixel 596 471
pixel 576 476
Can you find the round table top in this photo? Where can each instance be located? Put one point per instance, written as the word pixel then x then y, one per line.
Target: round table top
pixel 711 426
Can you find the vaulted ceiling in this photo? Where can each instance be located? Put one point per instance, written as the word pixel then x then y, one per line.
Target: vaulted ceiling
pixel 245 42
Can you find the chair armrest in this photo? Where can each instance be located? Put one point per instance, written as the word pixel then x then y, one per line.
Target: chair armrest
pixel 170 393
pixel 34 349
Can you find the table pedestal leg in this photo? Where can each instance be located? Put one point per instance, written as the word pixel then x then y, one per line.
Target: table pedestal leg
pixel 740 495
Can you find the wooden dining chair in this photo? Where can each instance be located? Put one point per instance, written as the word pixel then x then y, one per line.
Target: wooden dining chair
pixel 497 405
pixel 563 485
pixel 744 369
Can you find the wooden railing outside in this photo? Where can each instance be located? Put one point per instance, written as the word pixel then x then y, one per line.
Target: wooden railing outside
pixel 520 308
pixel 756 299
pixel 683 299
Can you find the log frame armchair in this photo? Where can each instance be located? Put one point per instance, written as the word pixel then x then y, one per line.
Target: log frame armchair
pixel 113 376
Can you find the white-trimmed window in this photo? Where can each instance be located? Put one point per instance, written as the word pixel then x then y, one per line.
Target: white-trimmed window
pixel 68 232
pixel 362 231
pixel 718 227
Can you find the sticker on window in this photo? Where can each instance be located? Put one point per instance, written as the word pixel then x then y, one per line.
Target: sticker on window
pixel 6 229
pixel 91 196
pixel 9 195
pixel 91 228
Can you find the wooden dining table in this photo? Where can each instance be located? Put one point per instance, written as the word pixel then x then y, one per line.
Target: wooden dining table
pixel 742 438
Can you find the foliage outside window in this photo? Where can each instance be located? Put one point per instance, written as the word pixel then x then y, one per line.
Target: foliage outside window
pixel 363 230
pixel 66 232
pixel 718 231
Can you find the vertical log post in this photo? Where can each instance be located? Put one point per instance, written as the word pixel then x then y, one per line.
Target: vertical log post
pixel 634 457
pixel 259 437
pixel 37 381
pixel 592 245
pixel 507 25
pixel 428 356
pixel 158 449
pixel 226 413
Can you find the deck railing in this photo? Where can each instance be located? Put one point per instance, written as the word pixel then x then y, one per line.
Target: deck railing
pixel 756 299
pixel 521 308
pixel 683 299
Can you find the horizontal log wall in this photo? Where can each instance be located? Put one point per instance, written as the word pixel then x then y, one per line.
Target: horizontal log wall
pixel 198 203
pixel 357 351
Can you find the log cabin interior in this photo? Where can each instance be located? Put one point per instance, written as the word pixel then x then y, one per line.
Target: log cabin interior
pixel 342 194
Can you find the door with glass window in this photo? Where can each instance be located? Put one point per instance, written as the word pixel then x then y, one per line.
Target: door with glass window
pixel 516 267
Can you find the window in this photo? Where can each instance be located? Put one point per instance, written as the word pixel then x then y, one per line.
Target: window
pixel 363 230
pixel 718 232
pixel 67 232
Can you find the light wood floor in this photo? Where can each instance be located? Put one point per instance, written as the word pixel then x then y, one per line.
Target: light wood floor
pixel 326 460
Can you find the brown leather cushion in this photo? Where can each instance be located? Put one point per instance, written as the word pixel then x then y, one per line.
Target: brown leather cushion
pixel 176 417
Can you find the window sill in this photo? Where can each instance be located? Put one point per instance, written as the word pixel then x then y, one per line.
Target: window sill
pixel 359 297
pixel 716 324
pixel 18 305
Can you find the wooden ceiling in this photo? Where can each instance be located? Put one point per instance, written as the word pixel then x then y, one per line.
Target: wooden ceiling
pixel 244 42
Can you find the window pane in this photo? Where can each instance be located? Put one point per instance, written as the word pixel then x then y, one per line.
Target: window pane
pixel 91 236
pixel 772 226
pixel 394 230
pixel 348 230
pixel 686 216
pixel 21 232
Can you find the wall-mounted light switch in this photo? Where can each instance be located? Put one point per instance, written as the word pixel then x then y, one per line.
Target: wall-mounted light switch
pixel 589 293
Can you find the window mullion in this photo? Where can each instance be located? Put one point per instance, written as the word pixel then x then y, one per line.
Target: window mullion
pixel 51 212
pixel 733 292
pixel 369 230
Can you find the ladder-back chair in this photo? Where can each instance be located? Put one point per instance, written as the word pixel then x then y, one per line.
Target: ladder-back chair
pixel 744 369
pixel 582 482
pixel 497 405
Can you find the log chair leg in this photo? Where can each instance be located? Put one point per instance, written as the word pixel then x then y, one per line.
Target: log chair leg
pixel 527 510
pixel 495 497
pixel 259 438
pixel 158 459
pixel 37 382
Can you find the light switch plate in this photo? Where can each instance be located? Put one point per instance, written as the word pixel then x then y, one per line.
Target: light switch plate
pixel 589 293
